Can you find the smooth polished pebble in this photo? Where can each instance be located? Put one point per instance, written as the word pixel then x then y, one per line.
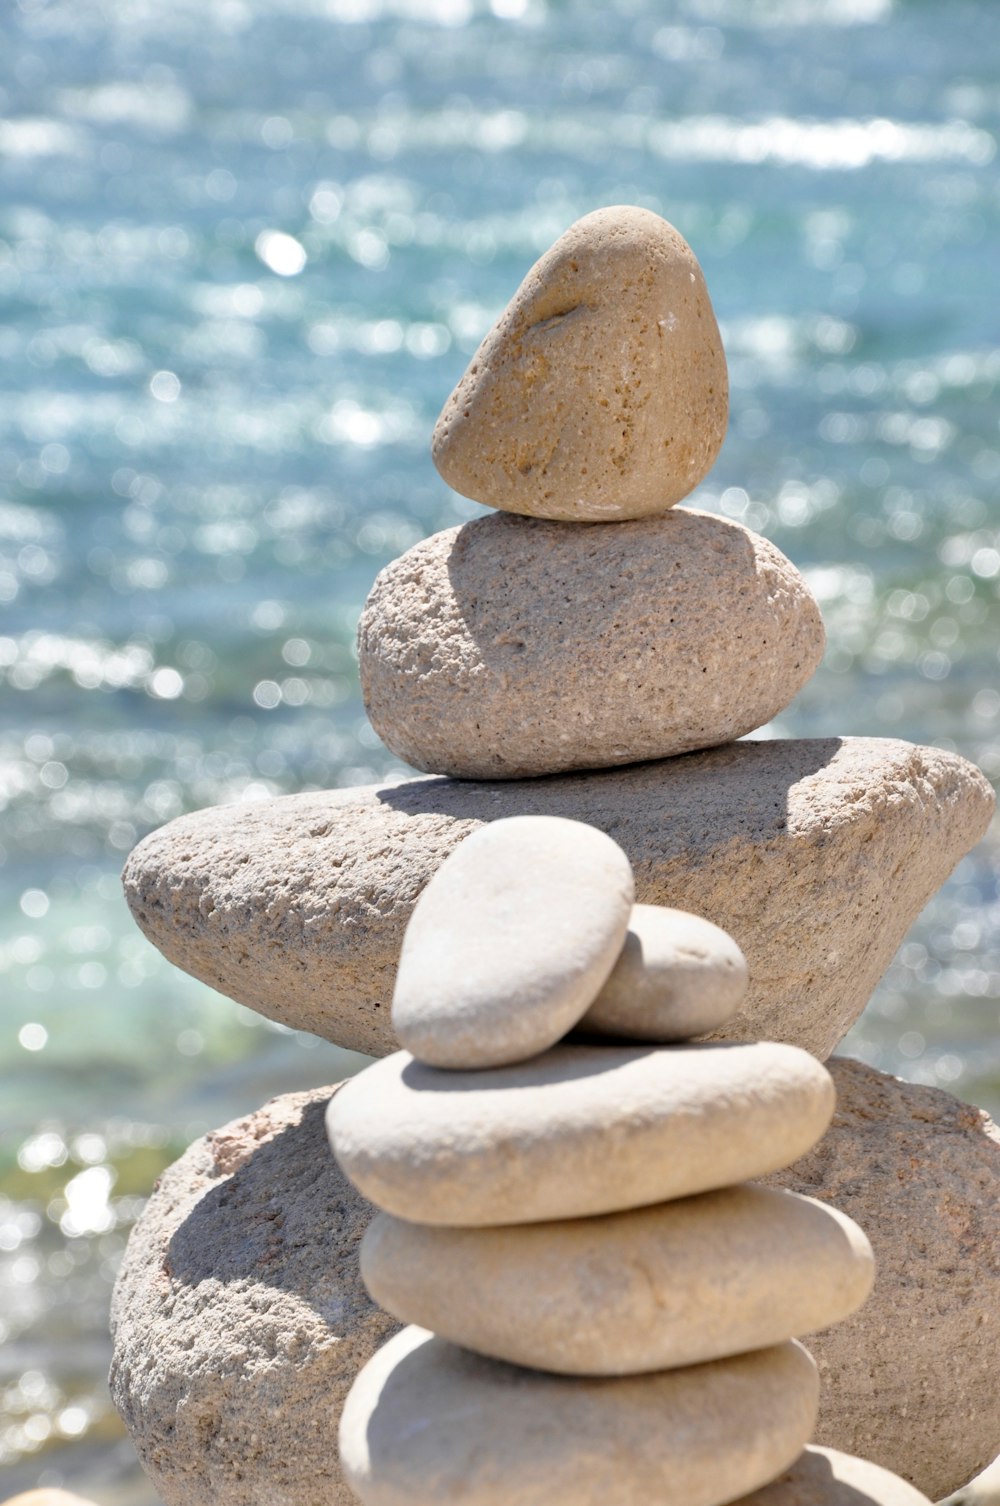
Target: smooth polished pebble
pixel 676 1284
pixel 678 976
pixel 601 392
pixel 577 1131
pixel 825 1477
pixel 429 1424
pixel 510 941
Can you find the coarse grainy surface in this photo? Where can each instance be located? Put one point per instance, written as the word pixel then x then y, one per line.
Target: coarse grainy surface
pixel 815 855
pixel 509 646
pixel 429 1424
pixel 910 1381
pixel 826 1477
pixel 601 392
pixel 239 1316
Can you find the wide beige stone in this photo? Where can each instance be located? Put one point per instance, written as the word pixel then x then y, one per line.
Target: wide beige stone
pixel 677 976
pixel 601 392
pixel 678 1284
pixel 429 1424
pixel 825 1477
pixel 239 1316
pixel 577 1131
pixel 815 856
pixel 510 942
pixel 910 1381
pixel 46 1497
pixel 509 646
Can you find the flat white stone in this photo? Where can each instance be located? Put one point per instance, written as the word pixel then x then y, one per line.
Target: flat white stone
pixel 677 1284
pixel 510 941
pixel 678 976
pixel 429 1424
pixel 577 1131
pixel 826 1477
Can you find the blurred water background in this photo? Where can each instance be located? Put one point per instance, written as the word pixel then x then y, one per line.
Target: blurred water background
pixel 246 249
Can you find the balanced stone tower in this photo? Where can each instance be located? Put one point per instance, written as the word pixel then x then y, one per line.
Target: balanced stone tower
pixel 593 632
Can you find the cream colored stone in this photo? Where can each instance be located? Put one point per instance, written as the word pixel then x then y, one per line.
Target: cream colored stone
pixel 677 1284
pixel 239 1316
pixel 46 1497
pixel 678 976
pixel 910 1381
pixel 816 856
pixel 825 1477
pixel 510 647
pixel 577 1131
pixel 510 941
pixel 429 1424
pixel 601 392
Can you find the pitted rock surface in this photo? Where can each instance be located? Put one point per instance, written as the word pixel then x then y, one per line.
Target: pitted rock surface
pixel 814 855
pixel 601 392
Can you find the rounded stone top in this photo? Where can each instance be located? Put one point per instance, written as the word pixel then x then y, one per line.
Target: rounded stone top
pixel 601 392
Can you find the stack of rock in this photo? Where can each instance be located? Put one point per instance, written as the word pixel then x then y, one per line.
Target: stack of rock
pixel 597 1314
pixel 593 632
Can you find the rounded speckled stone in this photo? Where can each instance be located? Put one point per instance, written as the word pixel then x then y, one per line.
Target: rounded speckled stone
pixel 510 646
pixel 601 392
pixel 826 1477
pixel 677 976
pixel 510 941
pixel 429 1424
pixel 653 1289
pixel 577 1131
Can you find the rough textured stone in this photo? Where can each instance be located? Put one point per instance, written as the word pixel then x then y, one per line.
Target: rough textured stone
pixel 815 855
pixel 678 976
pixel 510 941
pixel 429 1424
pixel 239 1316
pixel 509 647
pixel 825 1477
pixel 910 1381
pixel 601 392
pixel 577 1131
pixel 983 1490
pixel 678 1284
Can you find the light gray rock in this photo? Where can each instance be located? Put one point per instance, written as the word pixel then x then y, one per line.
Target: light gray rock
pixel 601 392
pixel 239 1316
pixel 510 942
pixel 429 1424
pixel 910 1381
pixel 825 1477
pixel 815 856
pixel 678 976
pixel 678 1284
pixel 510 646
pixel 577 1131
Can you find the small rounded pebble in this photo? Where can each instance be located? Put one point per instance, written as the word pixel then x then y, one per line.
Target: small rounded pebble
pixel 510 941
pixel 579 1130
pixel 825 1477
pixel 653 1289
pixel 678 976
pixel 429 1424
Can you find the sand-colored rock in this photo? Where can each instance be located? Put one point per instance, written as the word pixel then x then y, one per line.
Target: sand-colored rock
pixel 577 1131
pixel 510 942
pixel 509 646
pixel 814 855
pixel 825 1477
pixel 429 1424
pixel 653 1289
pixel 677 976
pixel 601 392
pixel 239 1316
pixel 910 1381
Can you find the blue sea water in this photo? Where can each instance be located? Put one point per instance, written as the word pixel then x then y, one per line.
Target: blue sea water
pixel 246 249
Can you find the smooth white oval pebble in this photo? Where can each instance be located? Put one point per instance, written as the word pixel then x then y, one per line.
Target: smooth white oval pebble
pixel 577 1131
pixel 510 941
pixel 429 1424
pixel 678 976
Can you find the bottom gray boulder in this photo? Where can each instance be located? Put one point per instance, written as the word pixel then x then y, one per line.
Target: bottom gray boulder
pixel 240 1320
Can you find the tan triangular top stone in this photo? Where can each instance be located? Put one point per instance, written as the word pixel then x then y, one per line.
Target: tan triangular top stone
pixel 601 392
